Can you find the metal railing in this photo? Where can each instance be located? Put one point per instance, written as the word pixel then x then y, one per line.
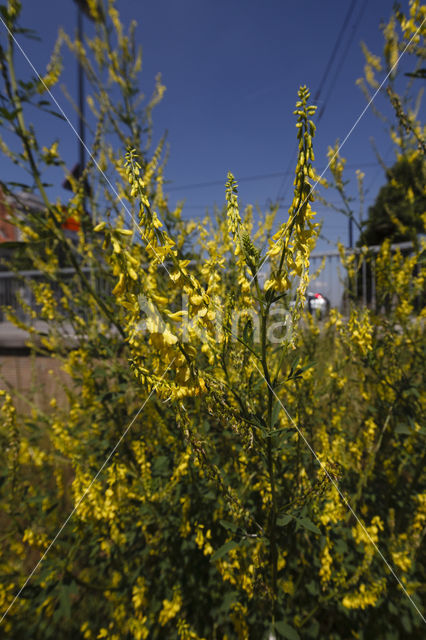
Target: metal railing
pixel 16 287
pixel 332 281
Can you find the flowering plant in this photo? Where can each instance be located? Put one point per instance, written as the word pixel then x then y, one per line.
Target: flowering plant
pixel 205 472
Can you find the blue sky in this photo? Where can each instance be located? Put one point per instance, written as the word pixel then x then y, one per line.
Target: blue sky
pixel 232 70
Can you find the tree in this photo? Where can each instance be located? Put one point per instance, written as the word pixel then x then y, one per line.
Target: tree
pixel 397 212
pixel 400 204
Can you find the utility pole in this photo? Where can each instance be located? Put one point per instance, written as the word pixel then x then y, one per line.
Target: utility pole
pixel 80 76
pixel 351 226
pixel 77 171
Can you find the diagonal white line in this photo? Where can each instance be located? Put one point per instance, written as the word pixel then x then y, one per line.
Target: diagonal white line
pixel 162 262
pixel 344 499
pixel 154 388
pixel 347 136
pixel 108 458
pixel 108 181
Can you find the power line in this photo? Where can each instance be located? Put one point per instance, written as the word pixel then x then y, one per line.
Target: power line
pixel 281 207
pixel 341 61
pixel 212 183
pixel 259 176
pixel 320 86
pixel 334 51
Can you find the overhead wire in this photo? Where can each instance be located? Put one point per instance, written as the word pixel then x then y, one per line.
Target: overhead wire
pixel 334 51
pixel 283 185
pixel 342 60
pixel 259 176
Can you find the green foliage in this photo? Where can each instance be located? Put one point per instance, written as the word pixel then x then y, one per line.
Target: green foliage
pixel 400 204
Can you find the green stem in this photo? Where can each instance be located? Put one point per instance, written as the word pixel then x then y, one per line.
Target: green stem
pixel 270 461
pixel 24 135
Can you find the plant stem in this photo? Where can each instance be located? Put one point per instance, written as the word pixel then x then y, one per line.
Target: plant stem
pixel 273 550
pixel 24 135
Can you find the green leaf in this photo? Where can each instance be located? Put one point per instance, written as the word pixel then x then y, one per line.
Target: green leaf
pixel 293 367
pixel 223 550
pixel 284 520
pixel 404 429
pixel 312 588
pixel 276 431
pixel 56 114
pixel 308 524
pixel 286 630
pixel 228 525
pixel 297 373
pixel 392 608
pixel 65 600
pixel 280 384
pixel 248 332
pixel 341 547
pixel 160 465
pixel 279 297
pixel 29 33
pixel 9 115
pixel 406 623
pixel 258 383
pixel 229 599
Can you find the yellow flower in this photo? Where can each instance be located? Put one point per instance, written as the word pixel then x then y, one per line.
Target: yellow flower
pixel 170 608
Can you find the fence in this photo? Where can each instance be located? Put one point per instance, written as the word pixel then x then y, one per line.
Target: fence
pixel 15 286
pixel 332 281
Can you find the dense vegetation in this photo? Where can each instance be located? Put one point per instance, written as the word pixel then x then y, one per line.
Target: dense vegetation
pixel 226 475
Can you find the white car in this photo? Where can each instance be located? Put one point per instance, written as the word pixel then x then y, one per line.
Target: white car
pixel 317 304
